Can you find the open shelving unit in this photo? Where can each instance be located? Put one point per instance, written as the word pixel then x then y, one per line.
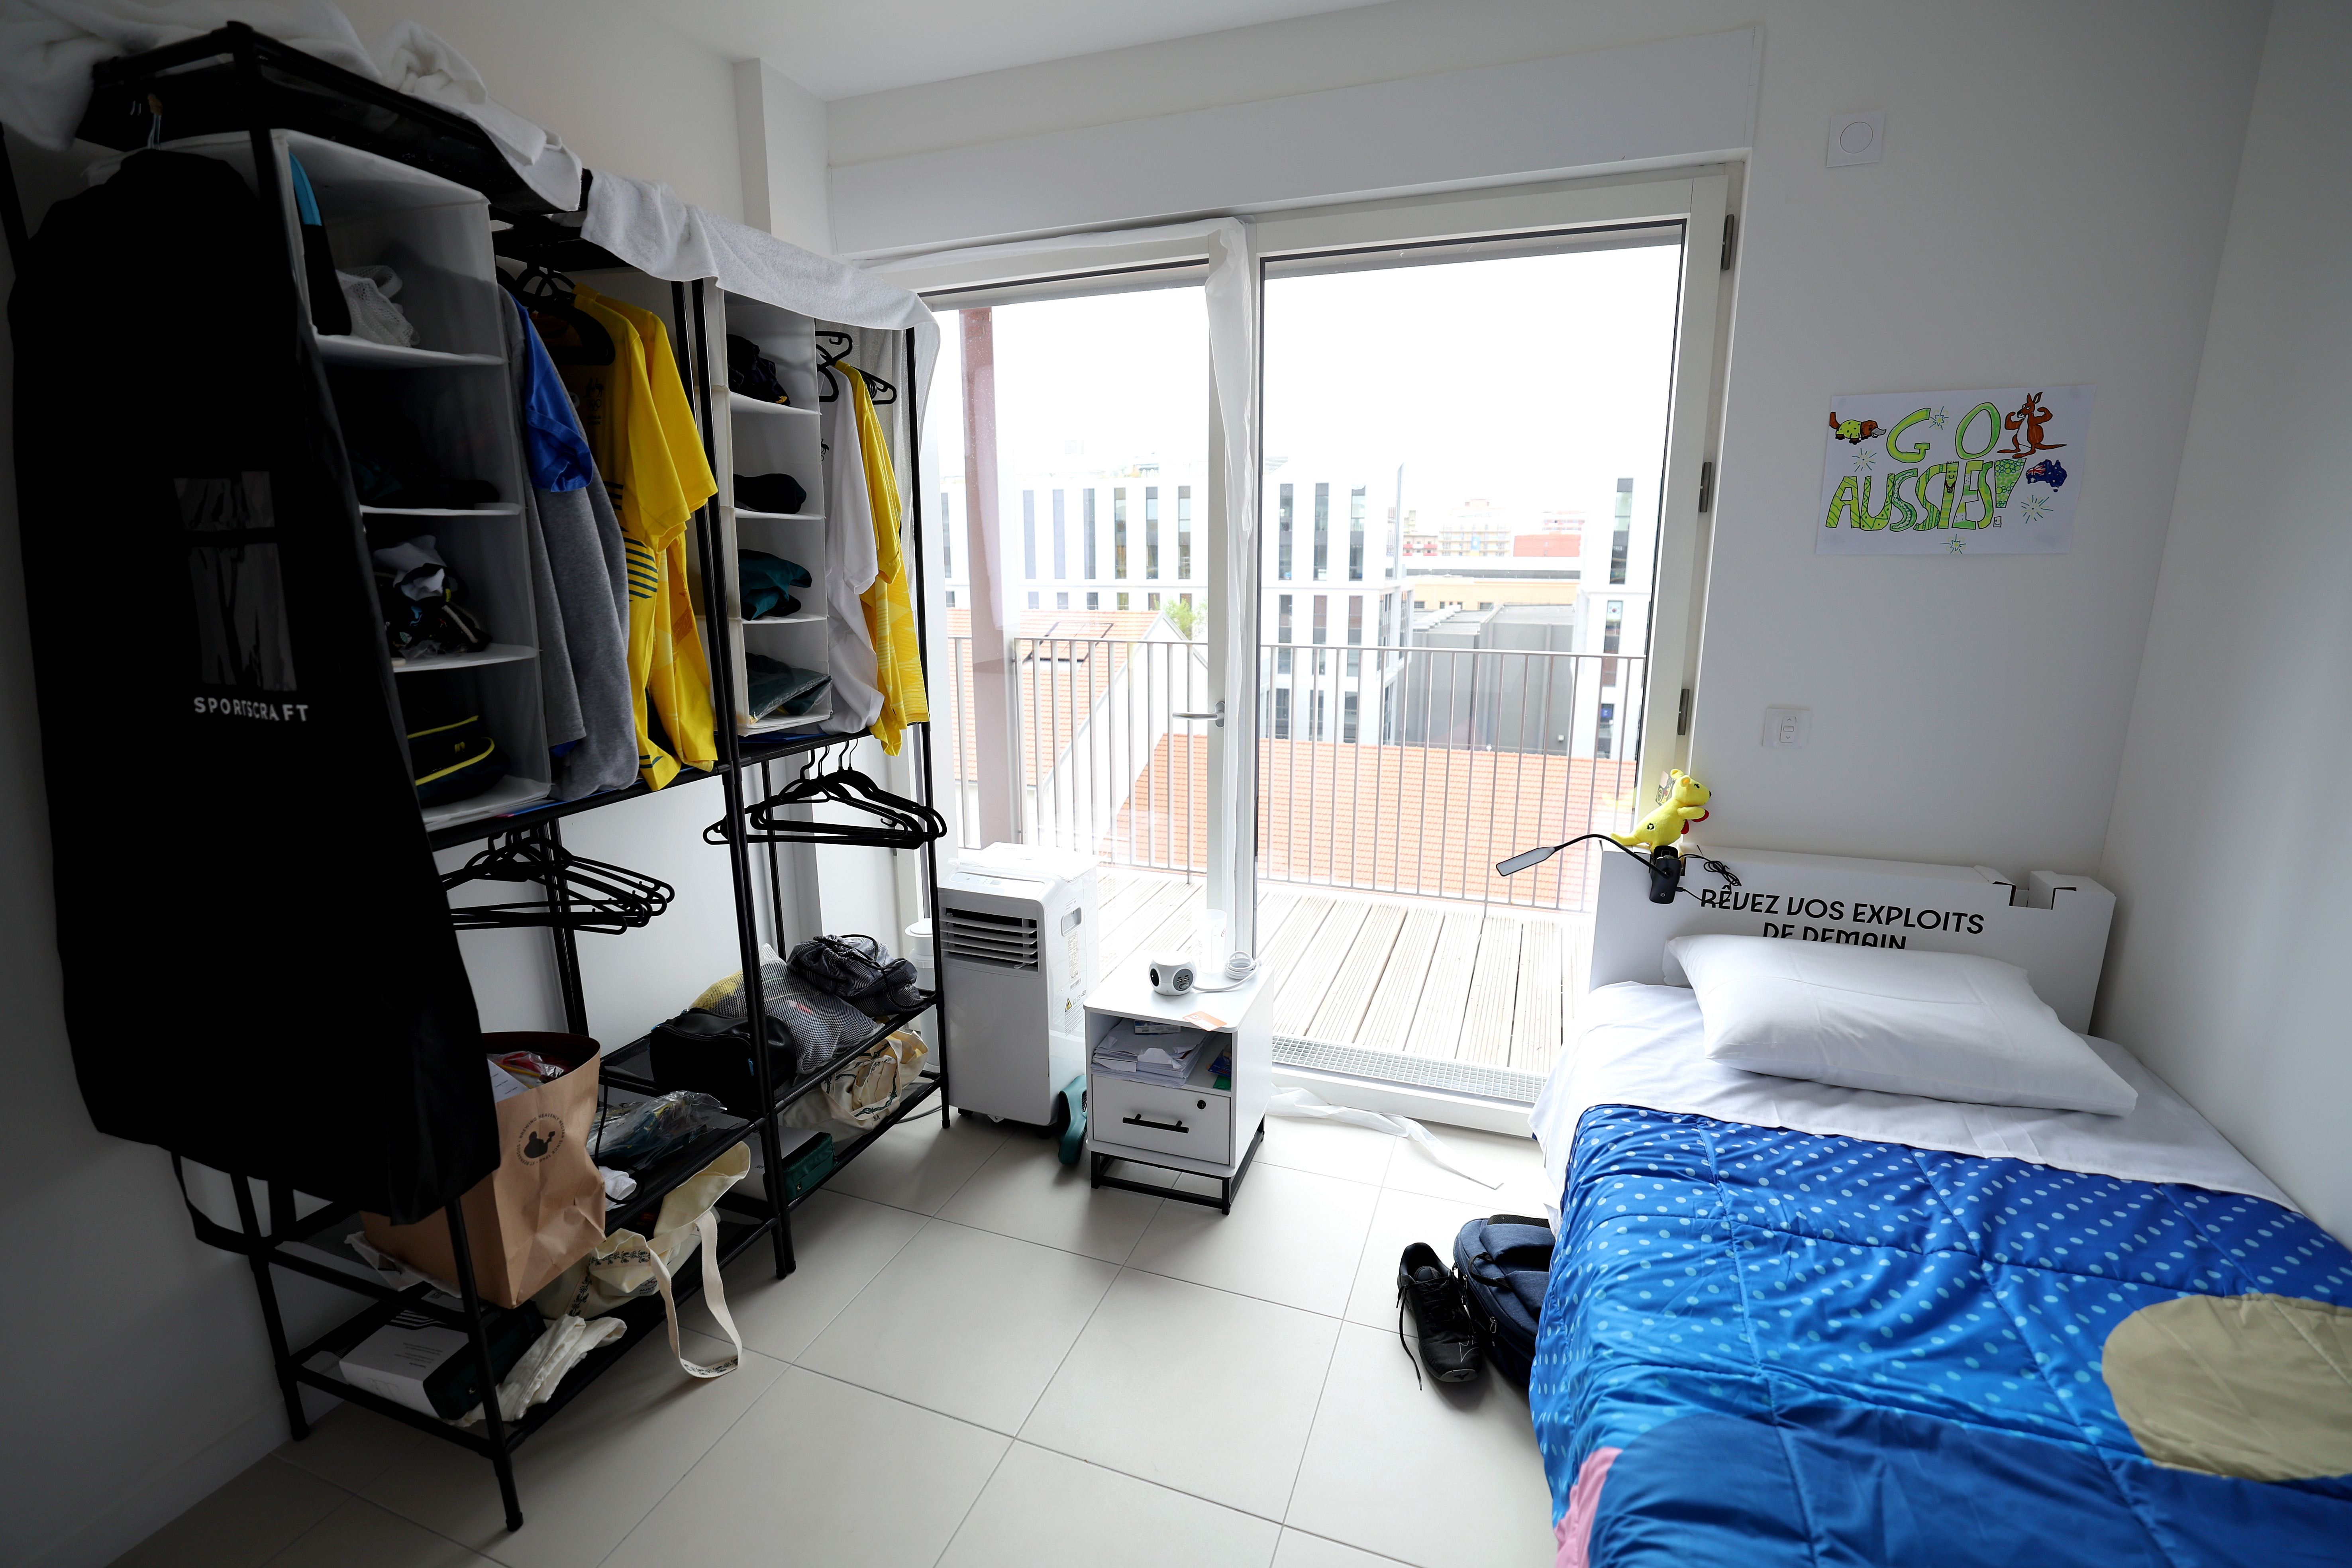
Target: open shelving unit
pixel 453 389
pixel 410 185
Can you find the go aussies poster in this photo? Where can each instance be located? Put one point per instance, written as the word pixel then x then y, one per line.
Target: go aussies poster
pixel 1953 473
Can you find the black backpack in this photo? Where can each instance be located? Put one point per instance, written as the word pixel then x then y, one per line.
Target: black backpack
pixel 1504 1263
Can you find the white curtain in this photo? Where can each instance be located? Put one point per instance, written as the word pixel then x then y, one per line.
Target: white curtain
pixel 1230 246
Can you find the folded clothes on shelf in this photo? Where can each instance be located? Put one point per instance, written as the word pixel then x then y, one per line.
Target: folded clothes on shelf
pixel 778 687
pixel 751 372
pixel 1150 1052
pixel 767 583
pixel 389 465
pixel 424 602
pixel 768 493
pixel 368 294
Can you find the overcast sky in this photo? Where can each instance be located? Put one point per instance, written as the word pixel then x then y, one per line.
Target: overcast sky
pixel 1533 382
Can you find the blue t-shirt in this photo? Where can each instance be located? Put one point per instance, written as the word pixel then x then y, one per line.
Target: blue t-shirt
pixel 556 451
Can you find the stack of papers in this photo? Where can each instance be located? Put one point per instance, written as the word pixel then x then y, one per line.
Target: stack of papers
pixel 1150 1052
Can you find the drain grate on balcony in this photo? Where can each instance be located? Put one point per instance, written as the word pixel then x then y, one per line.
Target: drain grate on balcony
pixel 1502 1083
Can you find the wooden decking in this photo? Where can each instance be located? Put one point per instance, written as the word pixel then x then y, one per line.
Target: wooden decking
pixel 1416 977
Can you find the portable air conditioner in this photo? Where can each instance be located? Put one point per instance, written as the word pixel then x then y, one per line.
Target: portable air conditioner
pixel 1015 945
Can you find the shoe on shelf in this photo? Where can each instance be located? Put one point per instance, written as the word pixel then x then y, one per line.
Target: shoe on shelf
pixel 1449 1345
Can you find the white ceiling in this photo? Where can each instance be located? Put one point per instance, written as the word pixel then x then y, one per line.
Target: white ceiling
pixel 838 48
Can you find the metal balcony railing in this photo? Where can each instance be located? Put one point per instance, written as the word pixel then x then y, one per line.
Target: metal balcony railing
pixel 1400 770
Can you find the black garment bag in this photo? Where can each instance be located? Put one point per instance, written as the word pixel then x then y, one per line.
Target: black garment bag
pixel 324 1033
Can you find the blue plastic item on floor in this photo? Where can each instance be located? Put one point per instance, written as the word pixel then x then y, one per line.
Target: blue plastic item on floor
pixel 1074 1136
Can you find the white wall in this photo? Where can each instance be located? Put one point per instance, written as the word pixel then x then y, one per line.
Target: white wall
pixel 2227 970
pixel 2051 208
pixel 1672 101
pixel 136 1373
pixel 624 91
pixel 780 127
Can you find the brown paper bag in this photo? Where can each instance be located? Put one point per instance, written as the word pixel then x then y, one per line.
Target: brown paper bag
pixel 543 1208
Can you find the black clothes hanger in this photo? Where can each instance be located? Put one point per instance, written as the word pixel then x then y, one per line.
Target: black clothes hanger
pixel 582 895
pixel 899 823
pixel 547 292
pixel 825 364
pixel 880 392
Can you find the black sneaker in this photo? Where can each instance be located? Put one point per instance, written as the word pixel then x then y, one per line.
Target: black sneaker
pixel 1449 1345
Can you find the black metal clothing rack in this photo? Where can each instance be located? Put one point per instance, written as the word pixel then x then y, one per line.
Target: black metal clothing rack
pixel 238 80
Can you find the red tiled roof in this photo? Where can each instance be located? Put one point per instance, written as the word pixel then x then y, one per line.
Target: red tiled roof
pixel 1398 818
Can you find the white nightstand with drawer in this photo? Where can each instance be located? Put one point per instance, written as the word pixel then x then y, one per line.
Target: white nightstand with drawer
pixel 1195 1126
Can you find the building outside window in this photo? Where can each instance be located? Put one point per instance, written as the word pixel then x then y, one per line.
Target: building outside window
pixel 1612 633
pixel 1087 540
pixel 1322 532
pixel 1623 537
pixel 947 539
pixel 1029 539
pixel 1322 635
pixel 1356 535
pixel 1282 634
pixel 1094 600
pixel 1282 713
pixel 1061 602
pixel 1282 536
pixel 1604 734
pixel 1152 530
pixel 1061 542
pixel 1033 601
pixel 1122 601
pixel 1151 602
pixel 1184 536
pixel 1118 538
pixel 1348 716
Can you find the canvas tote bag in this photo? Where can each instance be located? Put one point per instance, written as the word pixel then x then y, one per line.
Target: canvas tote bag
pixel 542 1208
pixel 626 1267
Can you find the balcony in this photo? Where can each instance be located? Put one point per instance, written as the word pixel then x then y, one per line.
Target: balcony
pixel 1390 782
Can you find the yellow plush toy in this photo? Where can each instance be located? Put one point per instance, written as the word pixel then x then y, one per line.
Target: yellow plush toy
pixel 1686 803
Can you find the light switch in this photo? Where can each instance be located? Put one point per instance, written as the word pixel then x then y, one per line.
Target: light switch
pixel 1787 729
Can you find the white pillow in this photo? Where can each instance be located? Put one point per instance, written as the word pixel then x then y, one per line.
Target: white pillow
pixel 1946 1025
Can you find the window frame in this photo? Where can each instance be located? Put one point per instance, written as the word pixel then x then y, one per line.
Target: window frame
pixel 1697 196
pixel 1489 220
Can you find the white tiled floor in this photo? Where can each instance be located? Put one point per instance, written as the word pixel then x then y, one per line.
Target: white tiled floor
pixel 982 1360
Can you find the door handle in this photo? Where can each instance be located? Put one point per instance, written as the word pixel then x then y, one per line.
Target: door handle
pixel 1218 717
pixel 1139 1119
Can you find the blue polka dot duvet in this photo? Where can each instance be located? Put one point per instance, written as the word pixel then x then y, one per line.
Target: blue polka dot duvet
pixel 1763 1348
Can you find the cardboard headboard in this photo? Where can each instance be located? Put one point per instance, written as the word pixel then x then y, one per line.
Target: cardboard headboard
pixel 2054 927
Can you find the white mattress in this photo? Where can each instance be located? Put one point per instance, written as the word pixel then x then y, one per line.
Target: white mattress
pixel 1643 1045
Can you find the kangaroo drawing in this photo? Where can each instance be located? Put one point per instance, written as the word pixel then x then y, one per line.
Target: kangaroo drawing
pixel 2027 424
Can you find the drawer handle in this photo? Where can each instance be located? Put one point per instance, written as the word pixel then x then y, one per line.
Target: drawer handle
pixel 1139 1119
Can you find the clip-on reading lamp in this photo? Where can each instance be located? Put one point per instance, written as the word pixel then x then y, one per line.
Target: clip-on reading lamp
pixel 1665 865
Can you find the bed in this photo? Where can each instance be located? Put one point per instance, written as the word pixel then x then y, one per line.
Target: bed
pixel 1788 1324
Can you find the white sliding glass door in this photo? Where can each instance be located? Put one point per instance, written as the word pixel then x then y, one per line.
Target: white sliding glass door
pixel 1465 625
